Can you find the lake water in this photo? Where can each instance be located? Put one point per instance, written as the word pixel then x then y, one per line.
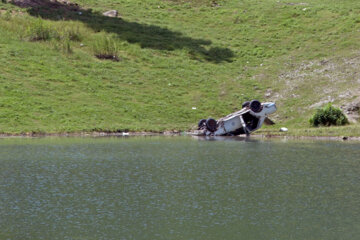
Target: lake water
pixel 178 188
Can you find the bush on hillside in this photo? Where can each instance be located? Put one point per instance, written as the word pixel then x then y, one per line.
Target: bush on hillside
pixel 327 116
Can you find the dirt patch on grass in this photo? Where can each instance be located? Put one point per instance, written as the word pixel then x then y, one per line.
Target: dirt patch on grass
pixel 352 110
pixel 63 4
pixel 11 12
pixel 62 8
pixel 313 84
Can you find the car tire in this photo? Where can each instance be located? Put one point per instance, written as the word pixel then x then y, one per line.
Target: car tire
pixel 255 106
pixel 211 124
pixel 201 123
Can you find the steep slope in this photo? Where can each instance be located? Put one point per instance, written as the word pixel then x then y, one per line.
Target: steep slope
pixel 179 61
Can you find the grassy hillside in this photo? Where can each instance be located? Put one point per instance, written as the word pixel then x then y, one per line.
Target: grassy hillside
pixel 174 55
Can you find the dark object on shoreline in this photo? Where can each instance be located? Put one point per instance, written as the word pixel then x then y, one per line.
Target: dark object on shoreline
pixel 250 118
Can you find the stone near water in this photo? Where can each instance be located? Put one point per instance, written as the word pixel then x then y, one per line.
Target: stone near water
pixel 284 129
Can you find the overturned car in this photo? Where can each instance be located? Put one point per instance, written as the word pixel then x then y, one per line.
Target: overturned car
pixel 250 118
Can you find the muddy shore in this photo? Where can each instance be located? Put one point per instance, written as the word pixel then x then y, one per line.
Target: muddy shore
pixel 170 133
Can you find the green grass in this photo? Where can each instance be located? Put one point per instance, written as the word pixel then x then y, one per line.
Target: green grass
pixel 335 131
pixel 174 55
pixel 105 48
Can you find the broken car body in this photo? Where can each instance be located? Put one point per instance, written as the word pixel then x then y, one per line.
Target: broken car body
pixel 250 118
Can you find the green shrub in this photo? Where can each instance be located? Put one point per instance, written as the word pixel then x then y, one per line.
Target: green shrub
pixel 327 116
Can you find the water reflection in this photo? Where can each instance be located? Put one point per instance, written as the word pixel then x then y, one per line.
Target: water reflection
pixel 224 138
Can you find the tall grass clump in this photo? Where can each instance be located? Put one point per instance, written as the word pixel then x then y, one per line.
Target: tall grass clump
pixel 63 44
pixel 40 30
pixel 106 48
pixel 67 45
pixel 65 35
pixel 6 16
pixel 327 116
pixel 71 32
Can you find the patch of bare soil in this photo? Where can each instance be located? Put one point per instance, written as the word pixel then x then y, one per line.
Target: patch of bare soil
pixel 48 5
pixel 313 84
pixel 352 110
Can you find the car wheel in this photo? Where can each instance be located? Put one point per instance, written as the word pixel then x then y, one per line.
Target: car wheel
pixel 245 104
pixel 201 123
pixel 211 124
pixel 255 106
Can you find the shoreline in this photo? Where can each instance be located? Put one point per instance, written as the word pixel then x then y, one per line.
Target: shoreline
pixel 170 133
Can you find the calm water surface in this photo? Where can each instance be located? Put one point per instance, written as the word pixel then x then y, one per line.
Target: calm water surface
pixel 178 188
